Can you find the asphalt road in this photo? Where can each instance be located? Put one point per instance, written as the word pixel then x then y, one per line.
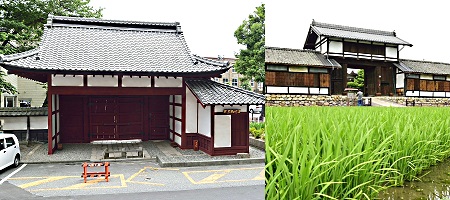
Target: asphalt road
pixel 135 180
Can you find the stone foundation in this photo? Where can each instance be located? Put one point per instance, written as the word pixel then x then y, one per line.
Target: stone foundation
pixel 308 100
pixel 419 101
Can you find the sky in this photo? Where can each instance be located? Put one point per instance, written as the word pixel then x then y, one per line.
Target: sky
pixel 422 23
pixel 208 26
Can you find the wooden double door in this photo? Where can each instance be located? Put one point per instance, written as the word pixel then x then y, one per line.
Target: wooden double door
pixel 129 117
pixel 114 118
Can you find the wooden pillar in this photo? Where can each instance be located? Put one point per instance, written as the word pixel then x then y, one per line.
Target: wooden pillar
pixel 378 80
pixel 183 118
pixel 212 129
pixel 50 114
pixel 344 76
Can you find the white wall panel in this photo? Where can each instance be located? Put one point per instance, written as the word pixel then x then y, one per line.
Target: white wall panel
pixel 391 52
pixel 178 99
pixel 447 94
pixel 135 81
pixel 168 82
pixel 178 111
pixel 426 76
pixel 323 91
pixel 439 94
pixel 178 127
pixel 222 131
pixel 400 81
pixel 178 139
pixel 314 90
pixel 426 94
pixel 103 81
pixel 14 123
pixel 298 90
pixel 412 93
pixel 191 112
pixel 336 47
pixel 67 80
pixel 276 90
pixel 204 120
pixel 38 122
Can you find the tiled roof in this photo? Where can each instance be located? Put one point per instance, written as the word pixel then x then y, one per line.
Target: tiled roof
pixel 276 55
pixel 347 32
pixel 417 66
pixel 86 44
pixel 23 111
pixel 213 93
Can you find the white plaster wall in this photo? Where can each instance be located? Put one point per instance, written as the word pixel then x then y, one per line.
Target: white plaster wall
pixel 171 135
pixel 204 120
pixel 171 110
pixel 68 80
pixel 426 94
pixel 103 81
pixel 14 123
pixel 439 94
pixel 400 81
pixel 412 93
pixel 38 122
pixel 391 52
pixel 191 112
pixel 178 127
pixel 323 91
pixel 298 90
pixel 178 112
pixel 178 139
pixel 336 47
pixel 447 94
pixel 426 77
pixel 168 82
pixel 314 90
pixel 171 98
pixel 170 123
pixel 178 99
pixel 448 78
pixel 135 81
pixel 222 131
pixel 323 48
pixel 218 108
pixel 276 89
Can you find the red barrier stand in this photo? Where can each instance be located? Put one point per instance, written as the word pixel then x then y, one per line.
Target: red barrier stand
pixel 87 174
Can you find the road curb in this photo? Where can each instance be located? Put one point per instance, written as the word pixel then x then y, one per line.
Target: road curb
pixel 209 163
pixel 82 161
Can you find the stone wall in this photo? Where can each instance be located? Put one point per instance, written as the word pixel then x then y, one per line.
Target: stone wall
pixel 308 100
pixel 420 101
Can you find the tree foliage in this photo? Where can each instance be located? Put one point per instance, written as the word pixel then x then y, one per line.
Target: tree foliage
pixel 22 23
pixel 251 33
pixel 358 82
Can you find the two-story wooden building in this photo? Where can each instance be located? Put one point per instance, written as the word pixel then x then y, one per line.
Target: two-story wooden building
pixel 111 80
pixel 329 50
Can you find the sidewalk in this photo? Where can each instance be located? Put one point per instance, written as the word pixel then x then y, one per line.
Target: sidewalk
pixel 379 101
pixel 159 151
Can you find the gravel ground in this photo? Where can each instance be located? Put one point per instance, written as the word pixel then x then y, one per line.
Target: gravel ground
pixel 254 153
pixel 70 152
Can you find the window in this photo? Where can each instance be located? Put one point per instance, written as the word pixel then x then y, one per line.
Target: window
pixel 216 79
pixel 412 76
pixel 252 83
pixel 441 78
pixel 234 82
pixel 10 101
pixel 25 102
pixel 9 142
pixel 225 80
pixel 277 68
pixel 233 70
pixel 318 70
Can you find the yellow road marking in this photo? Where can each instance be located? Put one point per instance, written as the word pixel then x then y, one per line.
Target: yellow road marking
pixel 217 174
pixel 212 178
pixel 261 175
pixel 84 186
pixel 136 174
pixel 47 180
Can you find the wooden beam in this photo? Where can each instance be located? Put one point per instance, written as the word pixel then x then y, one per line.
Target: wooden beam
pixel 128 91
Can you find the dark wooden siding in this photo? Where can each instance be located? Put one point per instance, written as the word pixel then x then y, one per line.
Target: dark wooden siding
pixel 71 119
pixel 297 79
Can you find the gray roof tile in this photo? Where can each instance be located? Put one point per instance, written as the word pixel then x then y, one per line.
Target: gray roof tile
pixel 276 55
pixel 86 44
pixel 347 32
pixel 213 93
pixel 427 67
pixel 23 111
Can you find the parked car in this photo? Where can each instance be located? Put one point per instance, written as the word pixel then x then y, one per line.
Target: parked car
pixel 9 151
pixel 255 108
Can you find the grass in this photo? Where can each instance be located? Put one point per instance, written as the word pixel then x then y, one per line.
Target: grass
pixel 350 153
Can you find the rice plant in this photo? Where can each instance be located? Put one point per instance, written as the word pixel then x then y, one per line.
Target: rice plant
pixel 350 153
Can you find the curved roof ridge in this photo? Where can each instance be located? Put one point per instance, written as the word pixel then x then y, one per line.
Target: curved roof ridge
pixel 352 29
pixel 425 61
pixel 17 56
pixel 292 49
pixel 210 61
pixel 81 20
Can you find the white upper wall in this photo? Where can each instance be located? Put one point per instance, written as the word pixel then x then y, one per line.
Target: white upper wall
pixel 222 131
pixel 168 82
pixel 102 81
pixel 400 81
pixel 204 121
pixel 336 47
pixel 67 80
pixel 191 112
pixel 218 108
pixel 136 81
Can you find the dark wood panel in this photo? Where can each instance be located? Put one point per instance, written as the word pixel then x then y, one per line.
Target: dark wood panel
pixel 417 84
pixel 239 129
pixel 71 119
pixel 324 80
pixel 423 85
pixel 158 117
pixel 430 85
pixel 409 84
pixel 205 144
pixel 270 78
pixel 116 91
pixel 447 86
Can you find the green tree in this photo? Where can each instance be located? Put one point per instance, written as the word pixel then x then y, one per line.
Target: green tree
pixel 251 33
pixel 22 23
pixel 358 82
